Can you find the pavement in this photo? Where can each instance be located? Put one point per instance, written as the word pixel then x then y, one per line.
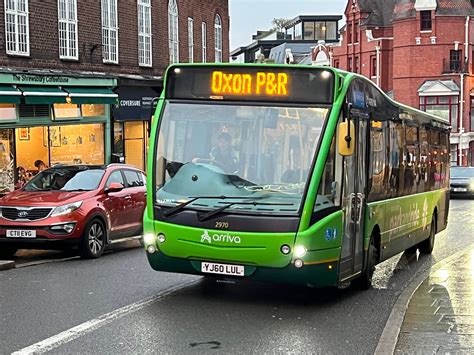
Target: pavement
pixel 436 314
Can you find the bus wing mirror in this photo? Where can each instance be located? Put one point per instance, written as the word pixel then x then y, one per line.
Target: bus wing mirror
pixel 346 137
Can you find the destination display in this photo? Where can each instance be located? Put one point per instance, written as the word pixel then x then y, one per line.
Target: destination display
pixel 251 83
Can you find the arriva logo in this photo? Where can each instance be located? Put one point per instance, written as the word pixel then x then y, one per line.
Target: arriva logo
pixel 205 237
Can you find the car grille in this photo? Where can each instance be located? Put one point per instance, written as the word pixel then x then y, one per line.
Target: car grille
pixel 32 214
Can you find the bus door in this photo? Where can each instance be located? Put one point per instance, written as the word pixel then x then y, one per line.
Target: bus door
pixel 354 199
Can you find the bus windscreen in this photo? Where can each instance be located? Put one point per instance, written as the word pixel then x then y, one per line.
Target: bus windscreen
pixel 246 83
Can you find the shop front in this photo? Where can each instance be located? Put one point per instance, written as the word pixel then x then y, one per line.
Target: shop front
pixel 131 119
pixel 55 119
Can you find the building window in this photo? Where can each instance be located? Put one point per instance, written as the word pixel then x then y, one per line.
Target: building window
pixel 336 63
pixel 144 33
pixel 67 22
pixel 472 116
pixel 454 154
pixel 356 33
pixel 373 67
pixel 204 42
pixel 425 20
pixel 218 38
pixel 349 33
pixel 173 35
pixel 455 60
pixel 109 31
pixel 356 64
pixel 443 106
pixel 190 40
pixel 349 64
pixel 17 27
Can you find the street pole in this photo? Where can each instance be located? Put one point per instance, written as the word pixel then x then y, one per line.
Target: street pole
pixel 377 64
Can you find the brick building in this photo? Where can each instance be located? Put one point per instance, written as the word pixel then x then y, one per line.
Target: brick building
pixel 77 77
pixel 419 52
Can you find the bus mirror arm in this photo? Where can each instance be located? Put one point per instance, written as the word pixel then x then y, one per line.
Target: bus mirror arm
pixel 348 137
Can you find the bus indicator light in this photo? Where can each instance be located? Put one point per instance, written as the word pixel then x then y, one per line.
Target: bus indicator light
pixel 260 83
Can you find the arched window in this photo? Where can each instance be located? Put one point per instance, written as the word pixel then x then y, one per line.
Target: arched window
pixel 218 38
pixel 173 38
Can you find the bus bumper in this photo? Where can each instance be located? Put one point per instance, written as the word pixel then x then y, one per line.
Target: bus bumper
pixel 316 275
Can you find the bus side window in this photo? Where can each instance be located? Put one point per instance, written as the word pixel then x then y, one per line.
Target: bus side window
pixel 329 191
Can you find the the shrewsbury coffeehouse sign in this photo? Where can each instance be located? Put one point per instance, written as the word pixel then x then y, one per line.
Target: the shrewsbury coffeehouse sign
pixel 40 79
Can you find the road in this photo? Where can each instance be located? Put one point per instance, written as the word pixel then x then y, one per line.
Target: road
pixel 152 312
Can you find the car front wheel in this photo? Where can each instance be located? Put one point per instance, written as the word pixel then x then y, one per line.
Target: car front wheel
pixel 93 240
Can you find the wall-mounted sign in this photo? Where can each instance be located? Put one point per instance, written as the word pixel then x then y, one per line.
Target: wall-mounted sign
pixel 57 79
pixel 134 103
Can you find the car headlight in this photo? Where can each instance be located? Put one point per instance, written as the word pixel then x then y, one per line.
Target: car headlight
pixel 66 209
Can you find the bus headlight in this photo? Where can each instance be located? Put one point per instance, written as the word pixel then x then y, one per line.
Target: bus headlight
pixel 300 251
pixel 149 238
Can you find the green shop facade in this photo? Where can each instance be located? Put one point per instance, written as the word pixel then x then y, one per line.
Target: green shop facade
pixel 59 119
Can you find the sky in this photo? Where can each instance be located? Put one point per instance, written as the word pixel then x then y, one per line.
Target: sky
pixel 248 16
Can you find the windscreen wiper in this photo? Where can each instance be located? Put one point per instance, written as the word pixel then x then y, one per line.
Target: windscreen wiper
pixel 181 206
pixel 205 216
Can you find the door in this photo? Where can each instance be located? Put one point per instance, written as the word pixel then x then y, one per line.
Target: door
pixel 354 200
pixel 7 161
pixel 136 203
pixel 116 205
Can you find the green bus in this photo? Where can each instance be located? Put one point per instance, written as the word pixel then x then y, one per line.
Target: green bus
pixel 286 173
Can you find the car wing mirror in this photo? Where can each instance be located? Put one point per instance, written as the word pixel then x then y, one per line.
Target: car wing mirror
pixel 114 187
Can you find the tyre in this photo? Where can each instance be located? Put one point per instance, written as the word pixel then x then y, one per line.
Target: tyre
pixel 365 280
pixel 6 252
pixel 427 245
pixel 93 240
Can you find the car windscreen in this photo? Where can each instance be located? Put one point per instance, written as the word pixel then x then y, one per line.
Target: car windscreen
pixel 462 172
pixel 66 180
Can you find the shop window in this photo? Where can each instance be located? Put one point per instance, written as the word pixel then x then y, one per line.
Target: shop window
pixel 62 111
pixel 7 161
pixel 93 110
pixel 7 112
pixel 31 144
pixel 134 141
pixel 425 20
pixel 77 144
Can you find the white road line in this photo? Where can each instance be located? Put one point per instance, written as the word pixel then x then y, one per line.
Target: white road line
pixel 94 324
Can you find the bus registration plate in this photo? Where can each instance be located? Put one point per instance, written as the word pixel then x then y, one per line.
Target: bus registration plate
pixel 222 269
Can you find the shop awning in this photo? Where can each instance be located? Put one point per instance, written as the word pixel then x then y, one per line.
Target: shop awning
pixel 91 95
pixel 43 94
pixel 10 95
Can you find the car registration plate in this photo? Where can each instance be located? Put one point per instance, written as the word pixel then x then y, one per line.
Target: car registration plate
pixel 21 233
pixel 459 189
pixel 222 269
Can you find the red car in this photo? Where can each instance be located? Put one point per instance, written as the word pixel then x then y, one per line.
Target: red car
pixel 79 206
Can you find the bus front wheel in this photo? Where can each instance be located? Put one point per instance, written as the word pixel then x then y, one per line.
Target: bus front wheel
pixel 365 280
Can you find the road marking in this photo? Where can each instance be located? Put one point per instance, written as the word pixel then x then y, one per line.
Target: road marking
pixel 44 261
pixel 94 324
